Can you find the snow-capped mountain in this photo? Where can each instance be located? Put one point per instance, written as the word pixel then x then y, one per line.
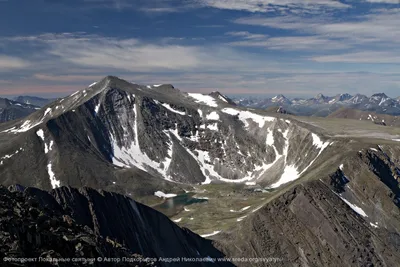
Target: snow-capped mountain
pixel 220 97
pixel 358 99
pixel 158 130
pixel 34 100
pixel 263 103
pixel 280 99
pixel 322 105
pixel 12 110
pixel 340 98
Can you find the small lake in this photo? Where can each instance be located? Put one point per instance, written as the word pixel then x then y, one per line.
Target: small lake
pixel 172 206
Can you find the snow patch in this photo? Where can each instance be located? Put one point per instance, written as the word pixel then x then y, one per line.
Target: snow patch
pixel 163 195
pixel 270 137
pixel 241 210
pixel 54 182
pixel 204 99
pixel 168 106
pixel 96 109
pixel 40 133
pixel 211 234
pixel 244 116
pixel 317 141
pixel 375 225
pixel 354 207
pixel 10 156
pixel 213 116
pixel 178 220
pixel 290 173
pixel 92 84
pixel 213 127
pixel 241 218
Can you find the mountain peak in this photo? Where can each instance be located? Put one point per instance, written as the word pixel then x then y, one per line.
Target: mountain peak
pixel 380 95
pixel 279 96
pixel 218 95
pixel 280 99
pixel 320 96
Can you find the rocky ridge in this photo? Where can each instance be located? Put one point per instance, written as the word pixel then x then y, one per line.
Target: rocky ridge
pixel 85 223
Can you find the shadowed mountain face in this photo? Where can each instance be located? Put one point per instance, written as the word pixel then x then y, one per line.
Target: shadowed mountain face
pixel 68 222
pixel 12 110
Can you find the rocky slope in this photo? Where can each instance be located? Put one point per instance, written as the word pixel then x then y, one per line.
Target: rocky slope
pixel 85 223
pixel 113 132
pixel 12 110
pixel 350 217
pixel 382 119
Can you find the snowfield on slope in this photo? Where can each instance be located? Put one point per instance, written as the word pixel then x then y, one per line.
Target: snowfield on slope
pixel 204 99
pixel 291 172
pixel 244 116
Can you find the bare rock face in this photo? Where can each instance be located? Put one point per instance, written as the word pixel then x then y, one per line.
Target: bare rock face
pixel 68 222
pixel 311 226
pixel 34 225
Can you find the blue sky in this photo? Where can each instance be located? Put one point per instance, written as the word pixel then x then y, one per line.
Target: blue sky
pixel 294 47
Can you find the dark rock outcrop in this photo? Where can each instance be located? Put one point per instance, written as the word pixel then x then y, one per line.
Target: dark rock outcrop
pixel 310 225
pixel 74 223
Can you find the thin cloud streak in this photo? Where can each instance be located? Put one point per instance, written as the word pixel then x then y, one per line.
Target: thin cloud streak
pixel 9 63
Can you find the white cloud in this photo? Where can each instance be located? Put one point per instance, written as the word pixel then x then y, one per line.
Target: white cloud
pixel 290 43
pixel 384 1
pixel 380 26
pixel 133 55
pixel 12 63
pixel 66 78
pixel 362 57
pixel 270 5
pixel 247 35
pixel 374 32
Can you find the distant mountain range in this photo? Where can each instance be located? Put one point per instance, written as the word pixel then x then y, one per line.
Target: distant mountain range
pixel 11 110
pixel 34 100
pixel 322 105
pixel 21 106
